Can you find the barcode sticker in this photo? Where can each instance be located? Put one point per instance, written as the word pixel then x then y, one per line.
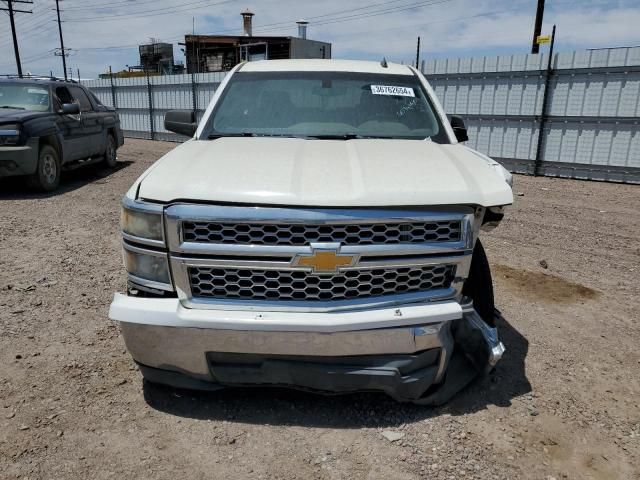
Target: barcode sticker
pixel 391 90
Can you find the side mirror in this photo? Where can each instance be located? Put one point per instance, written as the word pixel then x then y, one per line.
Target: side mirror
pixel 70 109
pixel 457 123
pixel 182 122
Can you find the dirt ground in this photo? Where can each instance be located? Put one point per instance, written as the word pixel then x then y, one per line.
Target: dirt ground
pixel 563 403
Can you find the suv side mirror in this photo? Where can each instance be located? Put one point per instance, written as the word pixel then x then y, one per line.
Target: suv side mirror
pixel 70 109
pixel 457 123
pixel 182 122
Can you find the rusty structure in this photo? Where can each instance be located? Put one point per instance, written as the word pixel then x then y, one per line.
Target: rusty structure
pixel 219 53
pixel 157 58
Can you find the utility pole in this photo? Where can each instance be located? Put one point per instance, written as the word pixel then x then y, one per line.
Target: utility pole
pixel 537 28
pixel 62 54
pixel 418 54
pixel 11 11
pixel 537 168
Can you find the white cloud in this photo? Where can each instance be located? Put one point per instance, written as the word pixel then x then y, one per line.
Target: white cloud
pixel 449 28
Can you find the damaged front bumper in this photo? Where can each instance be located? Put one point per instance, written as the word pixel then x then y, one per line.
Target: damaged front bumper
pixel 418 353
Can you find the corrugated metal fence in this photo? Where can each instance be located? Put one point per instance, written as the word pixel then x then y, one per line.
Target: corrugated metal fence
pixel 142 101
pixel 592 129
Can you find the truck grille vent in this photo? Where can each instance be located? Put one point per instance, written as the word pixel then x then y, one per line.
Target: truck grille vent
pixel 298 285
pixel 304 234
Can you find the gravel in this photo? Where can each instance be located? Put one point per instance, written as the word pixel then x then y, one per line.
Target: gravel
pixel 563 403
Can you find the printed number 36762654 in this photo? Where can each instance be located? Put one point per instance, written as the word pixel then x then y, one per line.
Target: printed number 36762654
pixel 392 90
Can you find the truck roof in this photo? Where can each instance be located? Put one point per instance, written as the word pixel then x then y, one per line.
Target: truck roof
pixel 319 65
pixel 36 79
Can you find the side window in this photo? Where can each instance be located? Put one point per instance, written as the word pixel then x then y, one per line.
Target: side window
pixel 85 103
pixel 63 95
pixel 95 98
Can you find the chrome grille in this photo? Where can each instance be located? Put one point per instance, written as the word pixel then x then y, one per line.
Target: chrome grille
pixel 304 234
pixel 299 285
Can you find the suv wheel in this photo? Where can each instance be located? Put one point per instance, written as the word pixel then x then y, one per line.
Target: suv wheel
pixel 47 175
pixel 110 154
pixel 479 286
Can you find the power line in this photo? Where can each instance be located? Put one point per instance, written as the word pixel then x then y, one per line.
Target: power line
pixel 37 26
pixel 153 12
pixel 123 3
pixel 382 12
pixel 34 58
pixel 30 20
pixel 39 56
pixel 339 18
pixel 315 17
pixel 374 13
pixel 38 20
pixel 444 20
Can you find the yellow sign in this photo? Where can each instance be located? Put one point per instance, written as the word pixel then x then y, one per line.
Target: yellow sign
pixel 327 261
pixel 543 39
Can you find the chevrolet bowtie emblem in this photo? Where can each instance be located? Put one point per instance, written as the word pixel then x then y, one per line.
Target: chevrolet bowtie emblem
pixel 324 261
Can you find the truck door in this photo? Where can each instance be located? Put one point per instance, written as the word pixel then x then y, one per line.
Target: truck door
pixel 71 128
pixel 92 124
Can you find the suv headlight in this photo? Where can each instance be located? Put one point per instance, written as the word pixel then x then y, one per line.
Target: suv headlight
pixel 10 134
pixel 145 252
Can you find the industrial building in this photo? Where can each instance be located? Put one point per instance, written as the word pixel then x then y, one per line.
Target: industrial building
pixel 215 53
pixel 157 58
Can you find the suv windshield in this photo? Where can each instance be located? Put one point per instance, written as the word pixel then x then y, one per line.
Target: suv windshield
pixel 335 105
pixel 24 96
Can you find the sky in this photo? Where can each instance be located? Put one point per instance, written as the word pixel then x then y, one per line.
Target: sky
pixel 102 33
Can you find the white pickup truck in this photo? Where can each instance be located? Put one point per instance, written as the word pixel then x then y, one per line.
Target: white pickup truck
pixel 318 231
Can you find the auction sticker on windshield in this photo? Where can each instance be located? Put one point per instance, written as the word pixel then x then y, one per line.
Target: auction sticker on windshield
pixel 391 90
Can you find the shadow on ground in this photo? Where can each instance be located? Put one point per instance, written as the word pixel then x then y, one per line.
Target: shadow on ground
pixel 15 188
pixel 279 406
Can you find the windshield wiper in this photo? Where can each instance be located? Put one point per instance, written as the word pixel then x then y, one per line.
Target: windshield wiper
pixel 13 108
pixel 342 136
pixel 213 136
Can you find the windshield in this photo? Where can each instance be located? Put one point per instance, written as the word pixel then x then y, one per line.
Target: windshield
pixel 24 97
pixel 325 105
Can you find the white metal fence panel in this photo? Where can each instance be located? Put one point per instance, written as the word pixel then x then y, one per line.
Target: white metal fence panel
pixel 592 129
pixel 143 101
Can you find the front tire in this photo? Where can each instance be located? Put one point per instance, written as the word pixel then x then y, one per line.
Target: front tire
pixel 47 175
pixel 110 153
pixel 479 285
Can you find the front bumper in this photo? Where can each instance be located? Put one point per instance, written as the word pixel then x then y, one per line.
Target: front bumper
pixel 403 351
pixel 19 160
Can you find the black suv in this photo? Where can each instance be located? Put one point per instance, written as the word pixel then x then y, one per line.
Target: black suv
pixel 47 124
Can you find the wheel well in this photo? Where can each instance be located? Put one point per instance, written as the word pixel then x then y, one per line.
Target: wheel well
pixel 112 132
pixel 52 141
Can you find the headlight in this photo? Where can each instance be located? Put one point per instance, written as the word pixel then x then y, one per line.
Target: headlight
pixel 145 252
pixel 10 134
pixel 147 225
pixel 150 266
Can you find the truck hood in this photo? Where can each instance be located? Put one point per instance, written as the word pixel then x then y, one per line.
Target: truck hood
pixel 325 173
pixel 8 115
